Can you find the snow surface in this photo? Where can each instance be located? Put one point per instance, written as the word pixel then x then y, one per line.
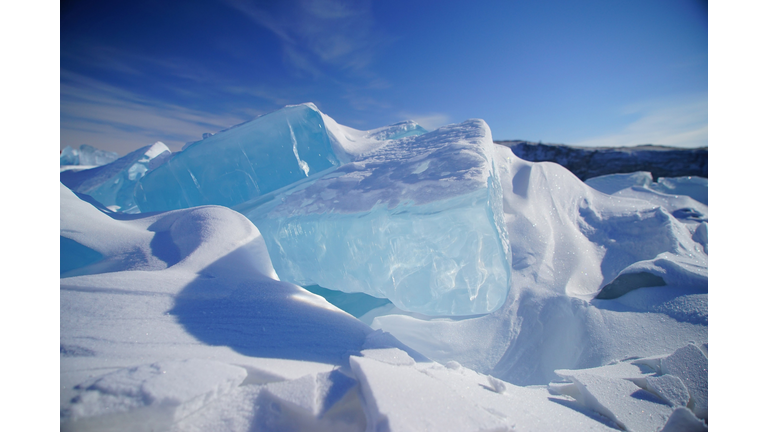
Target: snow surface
pixel 178 321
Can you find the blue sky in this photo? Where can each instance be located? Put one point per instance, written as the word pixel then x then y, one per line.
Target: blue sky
pixel 576 72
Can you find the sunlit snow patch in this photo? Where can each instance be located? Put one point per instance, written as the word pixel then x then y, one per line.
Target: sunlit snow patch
pixel 418 221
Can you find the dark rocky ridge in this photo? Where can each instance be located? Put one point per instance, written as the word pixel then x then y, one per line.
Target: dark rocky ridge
pixel 588 162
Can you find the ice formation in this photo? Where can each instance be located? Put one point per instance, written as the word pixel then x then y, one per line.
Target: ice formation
pixel 418 221
pixel 113 184
pixel 87 155
pixel 218 342
pixel 242 163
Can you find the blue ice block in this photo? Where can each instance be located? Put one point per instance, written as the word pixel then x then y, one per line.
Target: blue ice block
pixel 418 221
pixel 241 163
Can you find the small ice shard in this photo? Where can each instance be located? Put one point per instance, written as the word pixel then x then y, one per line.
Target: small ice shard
pixel 683 420
pixel 323 402
pixel 242 163
pixel 397 131
pixel 691 366
pixel 631 407
pixel 69 156
pixel 429 237
pixel 497 385
pixel 670 388
pixel 87 156
pixel 113 184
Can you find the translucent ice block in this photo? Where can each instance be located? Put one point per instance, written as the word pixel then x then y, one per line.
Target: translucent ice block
pixel 87 155
pixel 418 221
pixel 113 184
pixel 241 163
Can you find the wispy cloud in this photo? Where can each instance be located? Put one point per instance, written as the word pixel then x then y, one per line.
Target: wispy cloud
pixel 319 33
pixel 114 119
pixel 681 123
pixel 429 121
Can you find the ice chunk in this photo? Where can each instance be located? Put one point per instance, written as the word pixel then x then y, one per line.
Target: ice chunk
pixel 670 388
pixel 683 420
pixel 691 366
pixel 242 163
pixel 313 394
pixel 87 155
pixel 400 398
pixel 113 184
pixel 418 221
pixel 631 407
pixel 69 156
pixel 397 131
pixel 90 155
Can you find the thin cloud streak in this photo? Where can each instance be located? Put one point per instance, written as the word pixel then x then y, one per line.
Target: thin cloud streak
pixel 682 123
pixel 117 120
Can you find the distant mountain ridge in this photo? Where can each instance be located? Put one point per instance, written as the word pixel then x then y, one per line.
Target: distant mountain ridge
pixel 588 162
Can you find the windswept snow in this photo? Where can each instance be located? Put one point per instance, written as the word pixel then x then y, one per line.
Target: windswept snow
pixel 177 320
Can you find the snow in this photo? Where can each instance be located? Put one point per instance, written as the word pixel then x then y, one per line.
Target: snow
pixel 177 320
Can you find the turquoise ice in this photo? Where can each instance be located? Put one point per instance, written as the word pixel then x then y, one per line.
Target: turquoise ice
pixel 241 163
pixel 418 221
